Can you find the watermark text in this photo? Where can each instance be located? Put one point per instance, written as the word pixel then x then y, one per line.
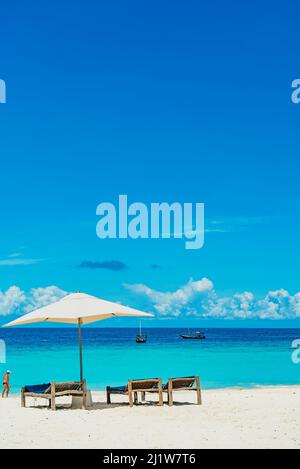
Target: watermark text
pixel 2 92
pixel 156 221
pixel 2 351
pixel 295 96
pixel 296 352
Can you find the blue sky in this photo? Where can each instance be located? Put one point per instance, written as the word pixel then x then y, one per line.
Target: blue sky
pixel 163 101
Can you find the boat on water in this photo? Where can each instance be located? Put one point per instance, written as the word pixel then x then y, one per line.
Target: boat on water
pixel 141 338
pixel 194 335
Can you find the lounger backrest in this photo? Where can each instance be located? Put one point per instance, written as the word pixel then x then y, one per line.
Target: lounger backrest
pixel 187 382
pixel 144 384
pixel 70 386
pixel 38 388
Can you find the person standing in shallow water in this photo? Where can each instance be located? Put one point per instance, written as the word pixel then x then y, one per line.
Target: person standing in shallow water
pixel 6 386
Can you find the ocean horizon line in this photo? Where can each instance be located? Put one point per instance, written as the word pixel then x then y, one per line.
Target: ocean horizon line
pixel 88 326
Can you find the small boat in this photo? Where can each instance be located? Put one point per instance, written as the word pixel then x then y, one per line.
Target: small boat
pixel 195 335
pixel 141 338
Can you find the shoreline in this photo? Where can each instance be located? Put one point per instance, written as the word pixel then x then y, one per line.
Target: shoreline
pixel 228 418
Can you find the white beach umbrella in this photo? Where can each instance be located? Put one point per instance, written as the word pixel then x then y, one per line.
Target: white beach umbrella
pixel 77 308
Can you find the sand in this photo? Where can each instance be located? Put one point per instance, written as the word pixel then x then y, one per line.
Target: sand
pixel 266 417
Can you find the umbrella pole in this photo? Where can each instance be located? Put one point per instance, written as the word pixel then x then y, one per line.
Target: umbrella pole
pixel 80 349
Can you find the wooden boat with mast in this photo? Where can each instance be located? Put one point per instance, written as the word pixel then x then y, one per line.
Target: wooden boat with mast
pixel 141 338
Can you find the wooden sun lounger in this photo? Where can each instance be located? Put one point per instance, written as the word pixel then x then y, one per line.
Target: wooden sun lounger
pixel 71 388
pixel 153 385
pixel 190 383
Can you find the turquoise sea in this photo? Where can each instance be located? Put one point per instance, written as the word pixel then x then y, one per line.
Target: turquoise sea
pixel 228 357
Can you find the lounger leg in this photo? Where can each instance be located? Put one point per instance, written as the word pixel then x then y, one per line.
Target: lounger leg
pixel 130 396
pixel 84 401
pixel 199 398
pixel 143 396
pixel 23 398
pixel 170 392
pixel 108 395
pixel 53 406
pixel 84 392
pixel 136 399
pixel 160 393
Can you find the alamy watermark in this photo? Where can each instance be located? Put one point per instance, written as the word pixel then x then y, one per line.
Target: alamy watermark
pixel 156 221
pixel 2 351
pixel 295 96
pixel 2 92
pixel 296 352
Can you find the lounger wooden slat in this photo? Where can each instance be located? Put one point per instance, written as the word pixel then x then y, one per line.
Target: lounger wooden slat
pixel 56 390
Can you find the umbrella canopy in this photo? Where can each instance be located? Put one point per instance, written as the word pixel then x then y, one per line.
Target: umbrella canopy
pixel 77 308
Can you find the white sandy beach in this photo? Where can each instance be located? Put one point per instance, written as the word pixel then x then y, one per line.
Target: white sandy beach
pixel 266 417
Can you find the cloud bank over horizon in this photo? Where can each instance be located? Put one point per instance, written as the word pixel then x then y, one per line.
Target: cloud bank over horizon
pixel 200 300
pixel 16 301
pixel 195 299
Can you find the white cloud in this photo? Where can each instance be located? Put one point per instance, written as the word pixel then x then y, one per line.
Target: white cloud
pixel 14 300
pixel 199 299
pixel 184 300
pixel 39 297
pixel 13 261
pixel 11 300
pixel 234 224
